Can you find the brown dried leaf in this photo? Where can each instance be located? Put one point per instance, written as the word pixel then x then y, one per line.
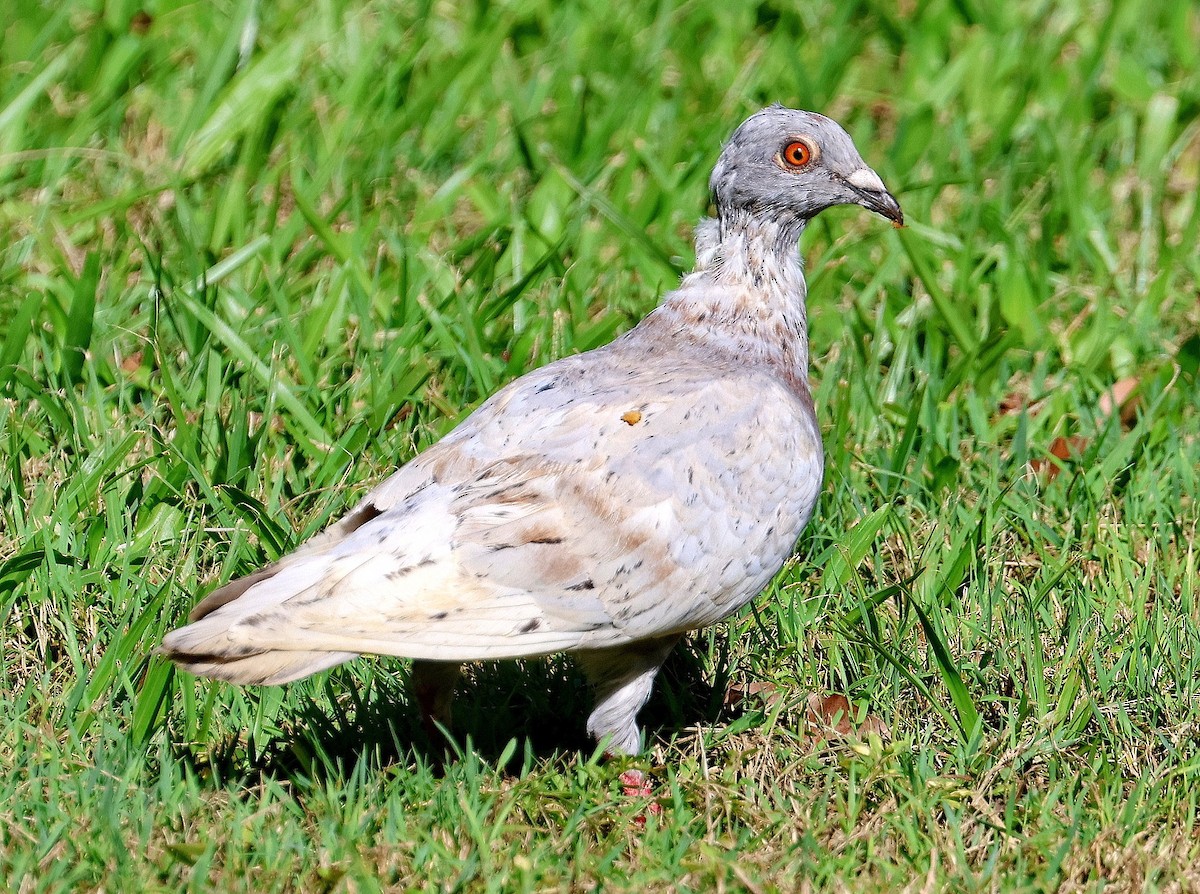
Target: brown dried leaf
pixel 830 712
pixel 769 693
pixel 830 716
pixel 1123 397
pixel 1061 449
pixel 874 725
pixel 1066 448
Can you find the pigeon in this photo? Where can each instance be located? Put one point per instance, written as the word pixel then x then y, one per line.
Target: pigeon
pixel 604 504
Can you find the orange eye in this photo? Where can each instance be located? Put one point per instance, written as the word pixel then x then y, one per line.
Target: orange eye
pixel 797 154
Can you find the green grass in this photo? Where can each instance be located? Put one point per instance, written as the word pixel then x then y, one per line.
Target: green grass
pixel 254 255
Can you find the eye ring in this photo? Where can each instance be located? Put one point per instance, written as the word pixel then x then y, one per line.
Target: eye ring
pixel 797 154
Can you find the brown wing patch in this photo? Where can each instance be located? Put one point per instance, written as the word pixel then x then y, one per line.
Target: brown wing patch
pixel 540 533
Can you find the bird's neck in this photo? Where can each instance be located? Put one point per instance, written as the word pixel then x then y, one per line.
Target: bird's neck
pixel 746 296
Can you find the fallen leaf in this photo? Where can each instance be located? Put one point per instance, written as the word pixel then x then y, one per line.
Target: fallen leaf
pixel 769 693
pixel 831 712
pixel 1061 449
pixel 1065 448
pixel 873 725
pixel 1122 398
pixel 831 716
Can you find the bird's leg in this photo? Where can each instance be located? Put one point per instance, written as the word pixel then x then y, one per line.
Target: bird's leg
pixel 433 687
pixel 623 677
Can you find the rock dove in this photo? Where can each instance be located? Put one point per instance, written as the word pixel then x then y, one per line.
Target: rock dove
pixel 604 504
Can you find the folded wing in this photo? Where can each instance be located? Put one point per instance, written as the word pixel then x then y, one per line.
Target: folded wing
pixel 545 522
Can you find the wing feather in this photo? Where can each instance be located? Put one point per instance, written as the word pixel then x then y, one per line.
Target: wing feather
pixel 546 521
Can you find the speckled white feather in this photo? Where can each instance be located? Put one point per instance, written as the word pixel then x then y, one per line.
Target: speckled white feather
pixel 604 504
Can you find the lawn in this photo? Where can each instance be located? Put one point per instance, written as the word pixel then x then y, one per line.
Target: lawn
pixel 255 255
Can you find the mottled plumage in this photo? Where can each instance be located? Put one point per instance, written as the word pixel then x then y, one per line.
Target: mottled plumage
pixel 604 504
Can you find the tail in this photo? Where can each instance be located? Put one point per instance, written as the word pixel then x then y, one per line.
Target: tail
pixel 371 591
pixel 205 647
pixel 266 668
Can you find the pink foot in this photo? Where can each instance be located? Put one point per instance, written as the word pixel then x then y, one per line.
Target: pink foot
pixel 636 784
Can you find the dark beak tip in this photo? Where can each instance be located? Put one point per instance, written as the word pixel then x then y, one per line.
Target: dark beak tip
pixel 887 206
pixel 882 203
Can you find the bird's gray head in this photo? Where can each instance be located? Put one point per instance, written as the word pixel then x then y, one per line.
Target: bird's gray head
pixel 788 166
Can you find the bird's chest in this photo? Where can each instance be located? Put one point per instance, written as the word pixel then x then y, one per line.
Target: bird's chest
pixel 741 489
pixel 762 496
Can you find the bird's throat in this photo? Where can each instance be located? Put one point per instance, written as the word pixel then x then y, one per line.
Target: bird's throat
pixel 746 296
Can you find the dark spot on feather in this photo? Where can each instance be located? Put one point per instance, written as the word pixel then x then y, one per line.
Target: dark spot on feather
pixel 439 616
pixel 425 562
pixel 585 585
pixel 360 517
pixel 553 383
pixel 496 547
pixel 509 493
pixel 531 625
pixel 547 540
pixel 399 572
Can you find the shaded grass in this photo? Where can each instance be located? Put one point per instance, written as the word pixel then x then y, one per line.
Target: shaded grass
pixel 256 255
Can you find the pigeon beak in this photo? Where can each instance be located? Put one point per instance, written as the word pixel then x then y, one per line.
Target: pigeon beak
pixel 873 195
